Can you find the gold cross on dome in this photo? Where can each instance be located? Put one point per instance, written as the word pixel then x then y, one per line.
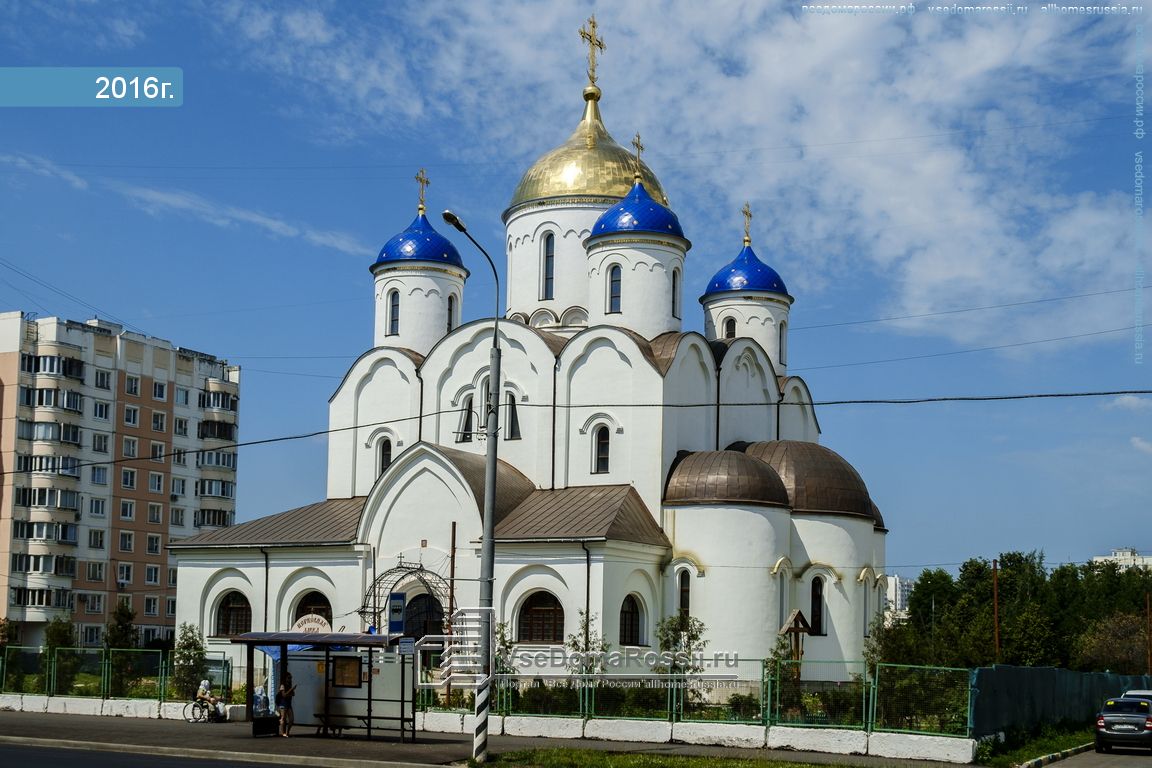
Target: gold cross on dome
pixel 423 181
pixel 589 36
pixel 747 211
pixel 639 145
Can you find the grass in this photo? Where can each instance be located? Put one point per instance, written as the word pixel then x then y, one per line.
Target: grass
pixel 1048 741
pixel 591 758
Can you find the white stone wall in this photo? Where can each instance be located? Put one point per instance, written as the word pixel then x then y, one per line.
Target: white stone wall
pixel 570 224
pixel 424 290
pixel 747 376
pixel 758 315
pixel 646 266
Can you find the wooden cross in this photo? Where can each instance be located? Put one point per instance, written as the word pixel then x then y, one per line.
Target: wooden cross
pixel 423 181
pixel 747 211
pixel 589 36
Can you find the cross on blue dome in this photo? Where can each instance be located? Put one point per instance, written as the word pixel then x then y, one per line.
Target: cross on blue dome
pixel 419 242
pixel 637 212
pixel 745 273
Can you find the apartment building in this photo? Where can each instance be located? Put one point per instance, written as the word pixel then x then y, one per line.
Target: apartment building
pixel 112 444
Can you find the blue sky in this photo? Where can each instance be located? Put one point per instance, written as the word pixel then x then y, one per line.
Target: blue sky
pixel 896 166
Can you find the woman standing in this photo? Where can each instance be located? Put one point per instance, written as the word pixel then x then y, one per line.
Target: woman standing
pixel 284 696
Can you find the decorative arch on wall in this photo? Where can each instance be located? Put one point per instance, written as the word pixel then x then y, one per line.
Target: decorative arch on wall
pixel 574 316
pixel 523 584
pixel 296 586
pixel 816 568
pixel 543 317
pixel 601 417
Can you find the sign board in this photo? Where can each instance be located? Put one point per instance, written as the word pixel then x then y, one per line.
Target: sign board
pixel 407 646
pixel 396 604
pixel 311 623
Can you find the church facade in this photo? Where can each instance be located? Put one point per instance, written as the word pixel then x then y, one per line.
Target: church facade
pixel 644 471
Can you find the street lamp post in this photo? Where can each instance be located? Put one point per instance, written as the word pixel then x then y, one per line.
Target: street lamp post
pixel 488 541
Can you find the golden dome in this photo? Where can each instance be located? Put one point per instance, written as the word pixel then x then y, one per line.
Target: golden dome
pixel 589 164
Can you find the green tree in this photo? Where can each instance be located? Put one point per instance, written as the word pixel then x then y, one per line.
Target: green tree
pixel 189 661
pixel 586 648
pixel 59 652
pixel 681 640
pixel 1117 643
pixel 119 636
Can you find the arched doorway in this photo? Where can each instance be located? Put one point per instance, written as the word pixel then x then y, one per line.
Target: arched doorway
pixel 423 616
pixel 314 602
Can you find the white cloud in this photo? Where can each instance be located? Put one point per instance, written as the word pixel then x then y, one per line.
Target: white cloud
pixel 1142 445
pixel 1129 403
pixel 43 167
pixel 156 201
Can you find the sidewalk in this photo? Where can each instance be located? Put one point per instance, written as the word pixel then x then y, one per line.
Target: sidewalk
pixel 234 741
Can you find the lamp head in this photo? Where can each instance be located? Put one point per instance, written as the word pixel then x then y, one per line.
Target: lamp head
pixel 454 220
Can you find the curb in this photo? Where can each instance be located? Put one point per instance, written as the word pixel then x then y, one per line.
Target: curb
pixel 1056 756
pixel 246 757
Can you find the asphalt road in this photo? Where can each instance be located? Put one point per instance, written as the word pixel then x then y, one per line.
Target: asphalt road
pixel 18 756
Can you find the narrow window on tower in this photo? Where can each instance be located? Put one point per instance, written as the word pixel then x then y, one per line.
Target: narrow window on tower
pixel 730 328
pixel 676 294
pixel 465 434
pixel 385 454
pixel 685 585
pixel 549 271
pixel 816 619
pixel 511 419
pixel 451 313
pixel 614 288
pixel 393 313
pixel 783 343
pixel 601 448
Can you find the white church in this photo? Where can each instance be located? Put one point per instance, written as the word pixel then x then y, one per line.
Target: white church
pixel 644 471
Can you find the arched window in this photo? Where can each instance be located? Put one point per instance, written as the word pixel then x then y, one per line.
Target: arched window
pixel 549 271
pixel 684 605
pixel 816 618
pixel 385 454
pixel 423 616
pixel 676 293
pixel 730 328
pixel 867 612
pixel 511 419
pixel 451 313
pixel 630 621
pixel 783 343
pixel 482 405
pixel 541 619
pixel 234 616
pixel 393 313
pixel 782 596
pixel 314 602
pixel 465 433
pixel 614 275
pixel 600 450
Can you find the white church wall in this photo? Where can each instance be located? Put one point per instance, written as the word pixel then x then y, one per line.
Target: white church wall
pixel 758 316
pixel 551 568
pixel 747 376
pixel 601 373
pixel 458 369
pixel 797 416
pixel 690 381
pixel 409 516
pixel 835 548
pixel 631 569
pixel 645 284
pixel 570 224
pixel 423 291
pixel 737 597
pixel 381 386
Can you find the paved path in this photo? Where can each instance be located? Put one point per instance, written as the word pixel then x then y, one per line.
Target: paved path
pixel 234 741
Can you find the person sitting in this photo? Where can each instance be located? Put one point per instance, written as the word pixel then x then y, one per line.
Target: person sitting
pixel 215 706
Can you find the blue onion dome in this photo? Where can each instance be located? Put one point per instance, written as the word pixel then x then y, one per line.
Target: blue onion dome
pixel 745 273
pixel 419 243
pixel 637 212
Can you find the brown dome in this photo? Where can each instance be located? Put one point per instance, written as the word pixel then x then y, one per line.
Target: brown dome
pixel 723 477
pixel 877 518
pixel 818 479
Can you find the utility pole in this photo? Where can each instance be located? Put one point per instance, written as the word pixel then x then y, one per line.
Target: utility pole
pixel 1148 631
pixel 996 609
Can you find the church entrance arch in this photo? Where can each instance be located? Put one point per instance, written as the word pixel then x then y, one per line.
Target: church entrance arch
pixel 424 612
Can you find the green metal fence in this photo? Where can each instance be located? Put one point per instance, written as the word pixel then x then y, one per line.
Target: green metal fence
pixel 24 671
pixel 916 699
pixel 77 672
pixel 816 693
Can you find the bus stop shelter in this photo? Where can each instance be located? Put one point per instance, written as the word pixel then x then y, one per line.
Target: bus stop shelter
pixel 349 680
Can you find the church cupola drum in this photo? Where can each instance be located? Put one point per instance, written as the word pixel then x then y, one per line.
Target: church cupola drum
pixel 419 285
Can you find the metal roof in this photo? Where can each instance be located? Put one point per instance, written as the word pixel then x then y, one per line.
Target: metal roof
pixel 582 513
pixel 333 521
pixel 312 638
pixel 511 486
pixel 720 477
pixel 818 479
